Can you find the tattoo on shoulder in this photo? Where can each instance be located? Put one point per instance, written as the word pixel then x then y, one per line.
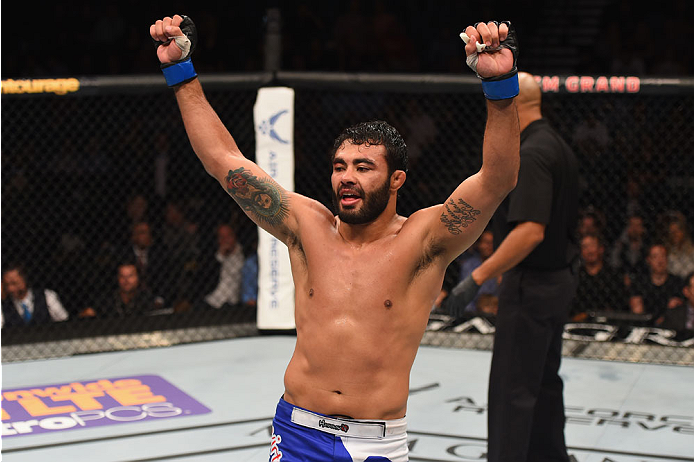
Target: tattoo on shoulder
pixel 262 198
pixel 458 215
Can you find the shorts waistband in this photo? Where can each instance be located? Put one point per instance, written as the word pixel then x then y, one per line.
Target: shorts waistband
pixel 356 428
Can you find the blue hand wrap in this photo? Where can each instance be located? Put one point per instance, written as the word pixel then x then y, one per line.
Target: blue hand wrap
pixel 179 72
pixel 501 89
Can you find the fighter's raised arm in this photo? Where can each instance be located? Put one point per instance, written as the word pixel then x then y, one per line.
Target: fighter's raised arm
pixel 491 50
pixel 267 203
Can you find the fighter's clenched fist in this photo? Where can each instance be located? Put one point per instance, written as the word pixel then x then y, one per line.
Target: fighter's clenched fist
pixel 492 51
pixel 175 39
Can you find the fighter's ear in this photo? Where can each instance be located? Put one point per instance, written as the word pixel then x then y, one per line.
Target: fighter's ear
pixel 397 179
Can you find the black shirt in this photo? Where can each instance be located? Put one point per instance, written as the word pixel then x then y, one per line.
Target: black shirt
pixel 113 305
pixel 656 298
pixel 604 291
pixel 547 193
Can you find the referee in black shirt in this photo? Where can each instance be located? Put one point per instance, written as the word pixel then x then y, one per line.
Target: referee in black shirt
pixel 537 253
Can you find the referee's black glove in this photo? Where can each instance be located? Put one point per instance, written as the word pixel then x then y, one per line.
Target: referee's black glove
pixel 461 296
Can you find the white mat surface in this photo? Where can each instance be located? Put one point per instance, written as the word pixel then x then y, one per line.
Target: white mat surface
pixel 617 412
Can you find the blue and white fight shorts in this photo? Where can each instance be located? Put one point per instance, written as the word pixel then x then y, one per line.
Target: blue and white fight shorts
pixel 301 435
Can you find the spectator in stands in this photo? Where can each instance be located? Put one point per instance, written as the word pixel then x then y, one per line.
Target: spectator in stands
pixel 24 305
pixel 149 257
pixel 680 317
pixel 591 221
pixel 659 290
pixel 634 195
pixel 600 287
pixel 137 209
pixel 629 251
pixel 175 235
pixel 679 244
pixel 70 252
pixel 225 271
pixel 130 298
pixel 181 241
pixel 482 249
pixel 249 276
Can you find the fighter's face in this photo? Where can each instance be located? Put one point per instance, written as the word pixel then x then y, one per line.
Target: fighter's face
pixel 360 181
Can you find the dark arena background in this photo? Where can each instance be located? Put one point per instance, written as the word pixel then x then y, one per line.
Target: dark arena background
pixel 95 156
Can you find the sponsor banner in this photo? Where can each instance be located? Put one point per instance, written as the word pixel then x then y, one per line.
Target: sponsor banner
pixel 598 417
pixel 85 404
pixel 33 86
pixel 593 332
pixel 274 139
pixel 449 448
pixel 589 84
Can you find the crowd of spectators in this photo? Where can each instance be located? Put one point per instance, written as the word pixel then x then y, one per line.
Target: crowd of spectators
pixel 163 250
pixel 162 256
pixel 356 35
pixel 645 277
pixel 161 266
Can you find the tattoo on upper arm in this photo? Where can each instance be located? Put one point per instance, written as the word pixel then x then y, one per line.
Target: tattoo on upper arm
pixel 261 198
pixel 457 216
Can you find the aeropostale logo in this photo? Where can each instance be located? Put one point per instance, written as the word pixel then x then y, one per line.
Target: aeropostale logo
pixel 83 404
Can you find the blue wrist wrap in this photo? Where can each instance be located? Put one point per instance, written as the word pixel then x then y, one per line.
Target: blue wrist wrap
pixel 179 72
pixel 501 89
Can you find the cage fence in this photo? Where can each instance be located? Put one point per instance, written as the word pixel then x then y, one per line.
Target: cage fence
pixel 90 175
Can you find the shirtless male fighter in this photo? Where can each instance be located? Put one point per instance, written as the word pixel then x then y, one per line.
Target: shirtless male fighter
pixel 365 279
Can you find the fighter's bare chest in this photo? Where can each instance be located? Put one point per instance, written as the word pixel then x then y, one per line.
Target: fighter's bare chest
pixel 390 259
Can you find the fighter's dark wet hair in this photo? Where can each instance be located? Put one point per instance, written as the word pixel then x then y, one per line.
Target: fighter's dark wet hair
pixel 377 132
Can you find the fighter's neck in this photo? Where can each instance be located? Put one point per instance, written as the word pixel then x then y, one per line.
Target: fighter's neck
pixel 357 235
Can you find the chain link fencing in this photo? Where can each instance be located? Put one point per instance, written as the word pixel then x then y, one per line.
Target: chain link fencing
pixel 88 175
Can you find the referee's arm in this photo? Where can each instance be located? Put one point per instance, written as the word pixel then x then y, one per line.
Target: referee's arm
pixel 513 249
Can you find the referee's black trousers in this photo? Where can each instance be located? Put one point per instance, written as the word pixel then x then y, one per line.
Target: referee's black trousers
pixel 526 404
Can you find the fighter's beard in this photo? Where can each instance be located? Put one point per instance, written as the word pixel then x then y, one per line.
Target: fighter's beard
pixel 373 204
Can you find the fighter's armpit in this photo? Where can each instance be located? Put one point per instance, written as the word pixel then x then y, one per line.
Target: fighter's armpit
pixel 458 215
pixel 261 198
